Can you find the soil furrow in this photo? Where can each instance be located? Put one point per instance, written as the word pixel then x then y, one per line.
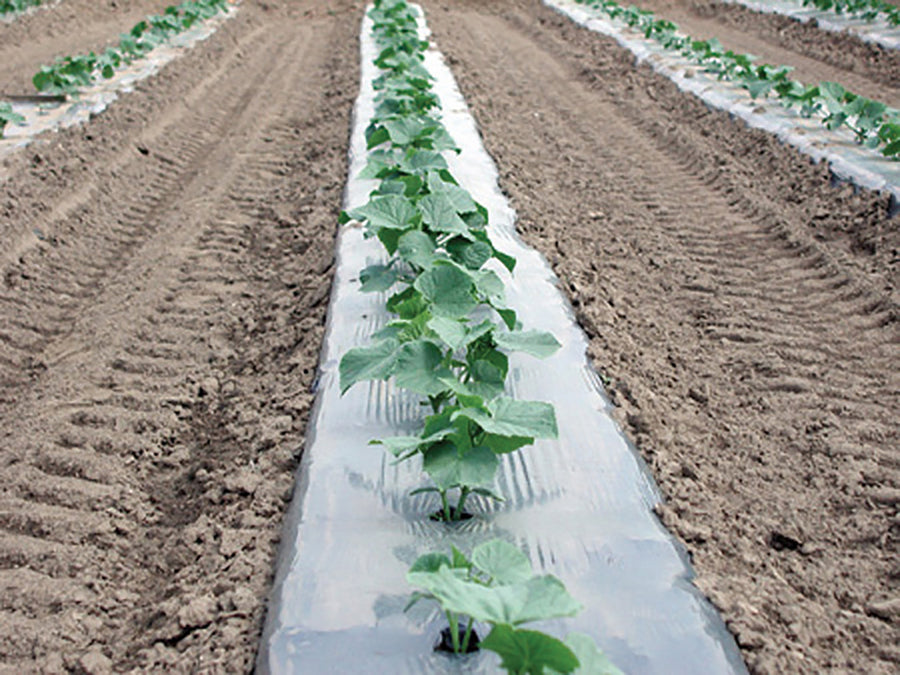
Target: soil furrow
pixel 155 448
pixel 698 287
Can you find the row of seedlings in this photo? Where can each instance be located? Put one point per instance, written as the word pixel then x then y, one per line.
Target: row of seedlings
pixel 874 124
pixel 69 74
pixel 448 343
pixel 868 10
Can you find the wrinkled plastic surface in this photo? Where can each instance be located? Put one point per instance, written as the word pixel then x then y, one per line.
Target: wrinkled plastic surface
pixel 580 507
pixel 877 31
pixel 41 117
pixel 848 160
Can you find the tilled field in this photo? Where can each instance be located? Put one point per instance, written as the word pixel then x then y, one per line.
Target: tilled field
pixel 166 271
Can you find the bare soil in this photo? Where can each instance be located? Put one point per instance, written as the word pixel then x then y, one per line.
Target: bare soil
pixel 165 274
pixel 743 310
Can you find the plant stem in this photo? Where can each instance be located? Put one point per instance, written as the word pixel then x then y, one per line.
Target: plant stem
pixel 465 644
pixel 448 516
pixel 463 493
pixel 453 620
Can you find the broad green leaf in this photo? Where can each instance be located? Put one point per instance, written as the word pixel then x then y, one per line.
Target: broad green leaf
pixel 470 254
pixel 460 199
pixel 539 598
pixel 451 331
pixel 375 362
pixel 449 290
pixel 509 417
pixel 592 661
pixel 440 215
pixel 489 284
pixel 502 561
pixel 418 368
pixel 422 161
pixel 408 130
pixel 377 278
pixel 403 445
pixel 392 211
pixel 449 467
pixel 504 444
pixel 416 248
pixel 537 343
pixel 529 652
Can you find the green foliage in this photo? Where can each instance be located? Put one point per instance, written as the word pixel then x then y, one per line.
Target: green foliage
pixel 874 124
pixel 437 278
pixel 860 9
pixel 69 74
pixel 10 6
pixel 498 587
pixel 7 116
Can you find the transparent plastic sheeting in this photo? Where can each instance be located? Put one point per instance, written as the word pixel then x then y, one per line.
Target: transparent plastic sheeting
pixel 41 117
pixel 877 31
pixel 580 507
pixel 849 160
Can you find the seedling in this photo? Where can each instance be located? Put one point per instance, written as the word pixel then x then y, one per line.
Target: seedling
pixel 497 587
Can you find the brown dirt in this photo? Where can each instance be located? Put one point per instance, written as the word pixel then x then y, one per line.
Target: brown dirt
pixel 68 28
pixel 165 273
pixel 744 311
pixel 816 55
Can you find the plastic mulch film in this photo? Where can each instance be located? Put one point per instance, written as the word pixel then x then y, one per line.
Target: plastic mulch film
pixel 580 507
pixel 877 31
pixel 848 160
pixel 92 100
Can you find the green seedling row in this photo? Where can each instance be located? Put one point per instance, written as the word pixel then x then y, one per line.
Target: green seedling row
pixel 874 124
pixel 868 10
pixel 449 343
pixel 438 282
pixel 69 74
pixel 10 6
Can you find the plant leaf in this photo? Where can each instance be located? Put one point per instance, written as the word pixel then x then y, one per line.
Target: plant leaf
pixel 529 651
pixel 374 362
pixel 449 467
pixel 509 417
pixel 537 343
pixel 418 368
pixel 449 289
pixel 502 561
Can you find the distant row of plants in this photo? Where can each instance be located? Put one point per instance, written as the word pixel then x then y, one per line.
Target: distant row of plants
pixel 449 343
pixel 873 123
pixel 68 74
pixel 861 9
pixel 10 6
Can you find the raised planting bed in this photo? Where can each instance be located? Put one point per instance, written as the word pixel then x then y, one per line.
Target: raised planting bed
pixel 572 499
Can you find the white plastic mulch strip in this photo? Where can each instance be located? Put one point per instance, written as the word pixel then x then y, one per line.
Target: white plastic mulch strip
pixel 580 507
pixel 877 31
pixel 42 117
pixel 848 160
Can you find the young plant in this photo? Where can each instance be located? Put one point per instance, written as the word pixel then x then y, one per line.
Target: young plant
pixel 7 116
pixel 497 587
